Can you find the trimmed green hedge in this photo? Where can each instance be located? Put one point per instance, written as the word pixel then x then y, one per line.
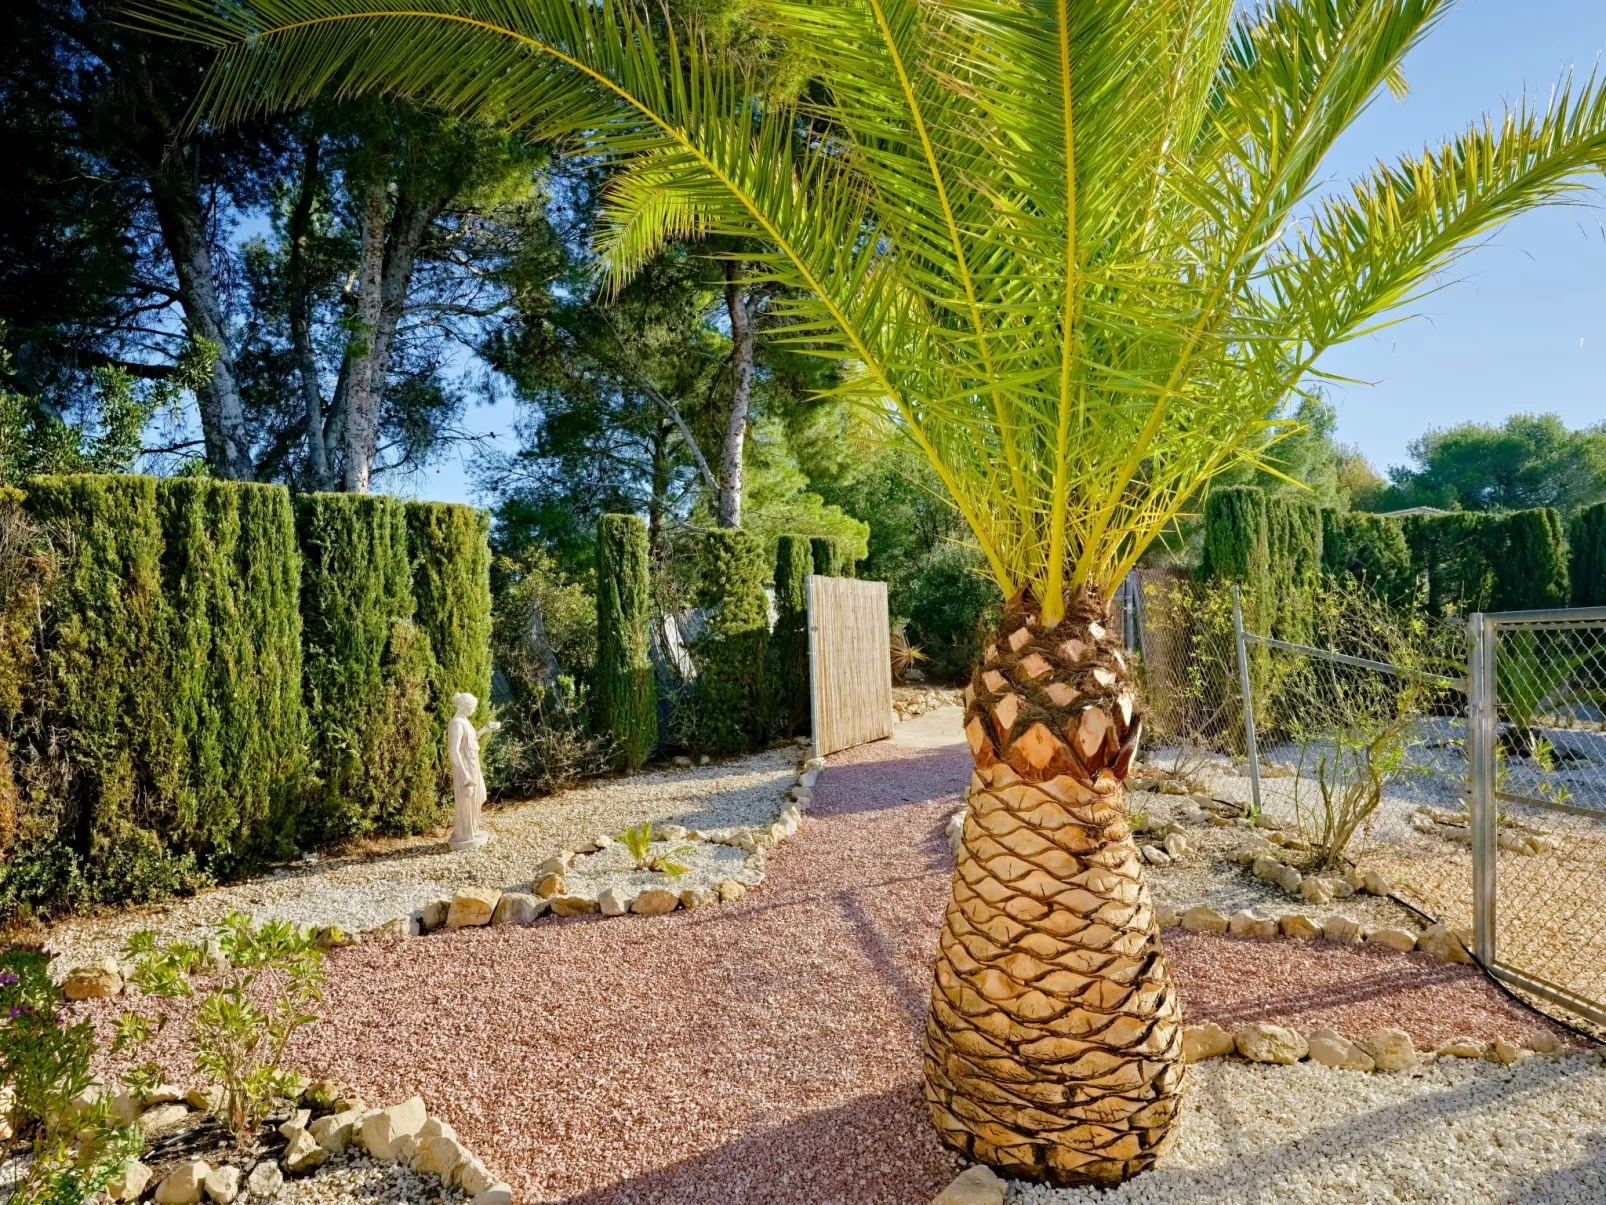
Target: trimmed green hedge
pixel 1588 552
pixel 789 643
pixel 1474 561
pixel 830 557
pixel 1272 547
pixel 160 741
pixel 627 696
pixel 369 671
pixel 1369 548
pixel 729 654
pixel 449 546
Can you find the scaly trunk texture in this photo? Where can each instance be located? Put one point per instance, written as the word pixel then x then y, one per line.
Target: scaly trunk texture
pixel 1054 1041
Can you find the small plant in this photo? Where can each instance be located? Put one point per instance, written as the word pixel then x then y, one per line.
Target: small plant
pixel 78 1146
pixel 905 656
pixel 1138 821
pixel 237 1042
pixel 638 844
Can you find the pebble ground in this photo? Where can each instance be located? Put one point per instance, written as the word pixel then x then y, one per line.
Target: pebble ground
pixel 767 1051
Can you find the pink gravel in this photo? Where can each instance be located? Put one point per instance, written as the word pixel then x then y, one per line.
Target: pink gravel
pixel 769 1050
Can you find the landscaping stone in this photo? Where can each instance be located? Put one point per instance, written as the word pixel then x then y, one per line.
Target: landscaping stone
pixel 1165 916
pixel 302 1153
pixel 1297 924
pixel 1341 929
pixel 222 1184
pixel 1464 1048
pixel 383 1129
pixel 555 865
pixel 1266 868
pixel 573 905
pixel 698 897
pixel 1202 918
pixel 1394 939
pixel 183 1185
pixel 299 1120
pixel 1542 1041
pixel 1332 1049
pixel 440 1156
pixel 1441 943
pixel 265 1180
pixel 1290 880
pixel 1502 1051
pixel 732 889
pixel 1251 922
pixel 97 982
pixel 205 1100
pixel 473 1178
pixel 162 1121
pixel 1207 1041
pixel 549 885
pixel 1155 856
pixel 162 1094
pixel 1391 1049
pixel 334 1132
pixel 433 915
pixel 434 1127
pixel 130 1182
pixel 974 1186
pixel 472 907
pixel 1176 845
pixel 612 901
pixel 499 1194
pixel 518 908
pixel 655 901
pixel 1316 891
pixel 1375 884
pixel 1264 1042
pixel 125 1108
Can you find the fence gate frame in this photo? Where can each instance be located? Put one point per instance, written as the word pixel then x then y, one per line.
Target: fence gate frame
pixel 1483 737
pixel 850 663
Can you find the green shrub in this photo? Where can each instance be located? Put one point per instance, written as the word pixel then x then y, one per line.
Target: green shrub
pixel 1530 562
pixel 626 690
pixel 729 654
pixel 1588 552
pixel 948 602
pixel 830 557
pixel 450 552
pixel 367 670
pixel 232 576
pixel 1293 563
pixel 789 643
pixel 1368 548
pixel 1474 561
pixel 1235 537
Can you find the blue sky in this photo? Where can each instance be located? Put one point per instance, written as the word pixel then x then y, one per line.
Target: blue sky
pixel 1521 325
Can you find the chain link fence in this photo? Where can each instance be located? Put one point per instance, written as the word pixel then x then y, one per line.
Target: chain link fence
pixel 1358 737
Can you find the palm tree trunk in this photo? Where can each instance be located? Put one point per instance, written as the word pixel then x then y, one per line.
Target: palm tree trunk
pixel 1054 1042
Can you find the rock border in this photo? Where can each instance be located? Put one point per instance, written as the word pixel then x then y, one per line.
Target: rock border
pixel 402 1133
pixel 471 907
pixel 1383 1049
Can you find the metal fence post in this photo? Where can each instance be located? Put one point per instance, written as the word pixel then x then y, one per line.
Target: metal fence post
pixel 1249 701
pixel 1482 733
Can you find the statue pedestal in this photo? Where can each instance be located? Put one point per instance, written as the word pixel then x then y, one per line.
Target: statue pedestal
pixel 477 841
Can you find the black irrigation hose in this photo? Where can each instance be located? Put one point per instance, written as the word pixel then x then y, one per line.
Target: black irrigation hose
pixel 1505 987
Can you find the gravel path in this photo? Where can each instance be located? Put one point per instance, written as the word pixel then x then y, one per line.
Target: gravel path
pixel 361 892
pixel 767 1051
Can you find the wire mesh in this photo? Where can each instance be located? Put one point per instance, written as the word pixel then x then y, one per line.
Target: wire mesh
pixel 1550 786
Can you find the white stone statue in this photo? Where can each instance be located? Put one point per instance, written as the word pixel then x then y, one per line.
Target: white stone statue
pixel 468 781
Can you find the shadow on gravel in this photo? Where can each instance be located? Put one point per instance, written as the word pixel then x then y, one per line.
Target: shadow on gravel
pixel 924 776
pixel 1583 1179
pixel 878 1150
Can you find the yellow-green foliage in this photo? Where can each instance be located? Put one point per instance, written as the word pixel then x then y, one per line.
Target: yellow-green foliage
pixel 367 670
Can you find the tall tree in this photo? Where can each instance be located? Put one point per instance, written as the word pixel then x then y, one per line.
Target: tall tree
pixel 1060 244
pixel 1530 460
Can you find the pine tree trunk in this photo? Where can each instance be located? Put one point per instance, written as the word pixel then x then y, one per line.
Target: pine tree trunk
pixel 1054 1042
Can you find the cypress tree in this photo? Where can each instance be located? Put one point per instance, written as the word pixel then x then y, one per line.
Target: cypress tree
pixel 1369 548
pixel 449 547
pixel 1588 552
pixel 829 558
pixel 789 643
pixel 730 652
pixel 627 699
pixel 367 670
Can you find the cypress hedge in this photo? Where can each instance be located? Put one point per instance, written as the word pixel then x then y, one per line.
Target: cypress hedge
pixel 789 643
pixel 1237 549
pixel 830 557
pixel 1294 563
pixel 729 654
pixel 1588 553
pixel 626 689
pixel 368 670
pixel 1369 548
pixel 1475 561
pixel 1529 563
pixel 449 547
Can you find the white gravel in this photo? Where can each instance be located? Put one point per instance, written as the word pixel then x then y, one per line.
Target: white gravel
pixel 1463 1131
pixel 707 866
pixel 393 878
pixel 355 1179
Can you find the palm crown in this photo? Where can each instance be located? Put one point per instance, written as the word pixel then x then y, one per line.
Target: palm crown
pixel 1073 247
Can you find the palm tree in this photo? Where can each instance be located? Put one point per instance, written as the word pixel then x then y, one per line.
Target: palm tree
pixel 1080 253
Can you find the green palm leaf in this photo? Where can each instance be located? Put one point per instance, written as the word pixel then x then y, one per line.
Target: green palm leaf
pixel 1070 247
